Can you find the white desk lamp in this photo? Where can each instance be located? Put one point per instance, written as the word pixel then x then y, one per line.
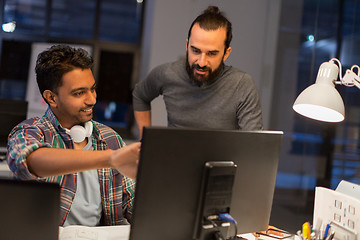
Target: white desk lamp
pixel 321 101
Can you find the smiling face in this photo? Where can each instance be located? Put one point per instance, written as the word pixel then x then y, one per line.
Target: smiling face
pixel 205 50
pixel 74 99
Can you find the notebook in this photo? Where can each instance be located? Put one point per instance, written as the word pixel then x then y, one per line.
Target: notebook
pixel 29 210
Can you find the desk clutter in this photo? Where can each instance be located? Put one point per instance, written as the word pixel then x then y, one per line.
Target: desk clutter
pixel 309 233
pixel 336 214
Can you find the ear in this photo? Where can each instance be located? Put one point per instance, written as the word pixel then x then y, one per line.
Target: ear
pixel 50 98
pixel 187 42
pixel 227 53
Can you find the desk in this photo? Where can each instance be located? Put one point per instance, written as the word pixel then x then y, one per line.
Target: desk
pixel 120 232
pixel 74 232
pixel 4 169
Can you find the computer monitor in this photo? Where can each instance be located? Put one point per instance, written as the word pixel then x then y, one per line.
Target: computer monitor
pixel 170 176
pixel 12 112
pixel 29 210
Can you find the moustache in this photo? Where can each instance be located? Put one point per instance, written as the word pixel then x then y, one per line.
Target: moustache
pixel 205 68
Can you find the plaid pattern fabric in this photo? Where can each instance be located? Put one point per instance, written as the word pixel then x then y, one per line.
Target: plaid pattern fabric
pixel 117 191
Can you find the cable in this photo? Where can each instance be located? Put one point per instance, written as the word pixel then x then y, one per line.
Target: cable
pixel 217 233
pixel 218 220
pixel 219 236
pixel 228 218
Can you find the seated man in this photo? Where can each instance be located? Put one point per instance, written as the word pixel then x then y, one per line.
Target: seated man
pixel 88 159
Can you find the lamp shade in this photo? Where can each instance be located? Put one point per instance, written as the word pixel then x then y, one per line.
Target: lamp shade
pixel 321 101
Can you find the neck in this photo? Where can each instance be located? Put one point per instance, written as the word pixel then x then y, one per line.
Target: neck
pixel 81 145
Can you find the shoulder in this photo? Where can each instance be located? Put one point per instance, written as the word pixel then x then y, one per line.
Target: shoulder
pixel 169 67
pixel 166 73
pixel 107 134
pixel 236 72
pixel 30 122
pixel 33 124
pixel 238 76
pixel 104 130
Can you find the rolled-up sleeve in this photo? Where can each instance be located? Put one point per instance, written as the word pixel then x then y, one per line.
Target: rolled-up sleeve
pixel 22 141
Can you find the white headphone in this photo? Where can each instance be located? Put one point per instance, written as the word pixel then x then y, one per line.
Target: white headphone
pixel 78 133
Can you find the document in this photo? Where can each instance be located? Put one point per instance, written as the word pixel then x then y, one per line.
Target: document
pixel 337 211
pixel 77 232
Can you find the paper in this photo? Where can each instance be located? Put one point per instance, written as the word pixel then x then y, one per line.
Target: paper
pixel 339 210
pixel 76 232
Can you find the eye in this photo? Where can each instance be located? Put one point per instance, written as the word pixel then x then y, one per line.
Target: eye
pixel 195 50
pixel 211 54
pixel 79 93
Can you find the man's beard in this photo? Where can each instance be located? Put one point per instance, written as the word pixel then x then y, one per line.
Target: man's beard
pixel 202 80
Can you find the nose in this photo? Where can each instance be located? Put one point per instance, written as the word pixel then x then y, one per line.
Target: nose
pixel 91 98
pixel 202 61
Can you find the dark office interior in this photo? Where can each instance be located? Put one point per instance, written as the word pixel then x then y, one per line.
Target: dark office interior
pixel 309 32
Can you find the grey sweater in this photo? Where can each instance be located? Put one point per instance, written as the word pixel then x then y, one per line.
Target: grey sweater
pixel 231 102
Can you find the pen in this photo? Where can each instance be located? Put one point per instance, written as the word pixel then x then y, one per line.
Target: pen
pixel 306 231
pixel 317 228
pixel 331 236
pixel 326 230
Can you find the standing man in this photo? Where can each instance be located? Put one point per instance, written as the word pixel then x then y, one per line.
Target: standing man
pixel 88 159
pixel 201 91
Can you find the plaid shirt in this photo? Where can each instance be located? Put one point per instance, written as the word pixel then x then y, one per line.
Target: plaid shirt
pixel 117 191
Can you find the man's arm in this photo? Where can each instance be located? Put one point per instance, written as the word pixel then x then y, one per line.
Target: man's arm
pixel 249 114
pixel 45 162
pixel 146 91
pixel 143 119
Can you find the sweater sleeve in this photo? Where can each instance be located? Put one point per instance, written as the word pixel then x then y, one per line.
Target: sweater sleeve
pixel 147 90
pixel 249 113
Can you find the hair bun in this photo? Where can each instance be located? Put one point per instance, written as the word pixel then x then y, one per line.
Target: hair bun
pixel 212 10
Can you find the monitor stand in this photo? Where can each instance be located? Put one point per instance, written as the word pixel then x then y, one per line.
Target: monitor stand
pixel 214 201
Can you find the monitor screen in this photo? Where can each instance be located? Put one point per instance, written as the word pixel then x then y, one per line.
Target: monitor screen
pixel 29 210
pixel 12 112
pixel 170 178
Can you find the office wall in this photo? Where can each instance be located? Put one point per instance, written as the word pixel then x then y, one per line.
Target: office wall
pixel 255 30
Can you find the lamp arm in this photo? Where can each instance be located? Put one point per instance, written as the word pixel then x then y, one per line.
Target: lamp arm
pixel 335 60
pixel 350 78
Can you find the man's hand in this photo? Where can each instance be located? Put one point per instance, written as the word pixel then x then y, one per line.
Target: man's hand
pixel 126 160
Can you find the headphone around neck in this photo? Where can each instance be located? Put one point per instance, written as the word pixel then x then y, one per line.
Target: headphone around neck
pixel 78 133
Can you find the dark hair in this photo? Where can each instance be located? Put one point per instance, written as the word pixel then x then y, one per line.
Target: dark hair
pixel 212 19
pixel 54 62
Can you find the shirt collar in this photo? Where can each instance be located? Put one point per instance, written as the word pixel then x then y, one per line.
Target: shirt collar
pixel 53 120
